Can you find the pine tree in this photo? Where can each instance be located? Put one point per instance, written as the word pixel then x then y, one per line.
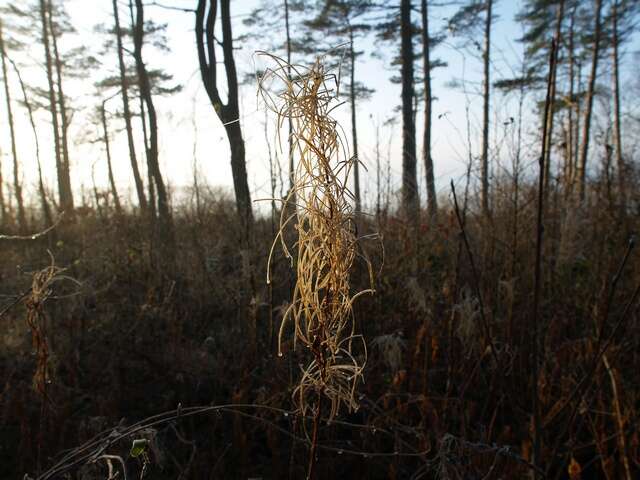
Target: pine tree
pixel 588 111
pixel 17 186
pixel 64 182
pixel 46 209
pixel 410 199
pixel 228 113
pixel 107 147
pixel 126 85
pixel 428 43
pixel 473 17
pixel 344 22
pixel 124 90
pixel 144 83
pixel 58 24
pixel 544 20
pixel 273 16
pixel 621 21
pixel 425 41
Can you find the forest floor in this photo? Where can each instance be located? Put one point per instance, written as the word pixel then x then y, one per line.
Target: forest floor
pixel 121 332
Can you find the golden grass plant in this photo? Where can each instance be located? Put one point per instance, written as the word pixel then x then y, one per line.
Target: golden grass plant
pixel 40 291
pixel 321 310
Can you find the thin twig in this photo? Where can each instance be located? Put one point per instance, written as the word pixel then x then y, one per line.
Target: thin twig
pixel 34 236
pixel 535 313
pixel 476 280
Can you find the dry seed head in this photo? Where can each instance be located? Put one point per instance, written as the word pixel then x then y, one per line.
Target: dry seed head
pixel 322 306
pixel 41 290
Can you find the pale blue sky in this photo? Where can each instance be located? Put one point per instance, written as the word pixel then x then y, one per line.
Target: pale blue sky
pixel 188 115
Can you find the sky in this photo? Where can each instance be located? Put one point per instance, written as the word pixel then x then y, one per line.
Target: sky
pixel 191 135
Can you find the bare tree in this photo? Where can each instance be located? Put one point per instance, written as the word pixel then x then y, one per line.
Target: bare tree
pixel 228 112
pixel 468 21
pixel 432 201
pixel 410 199
pixel 486 92
pixel 586 125
pixel 164 214
pixel 553 83
pixel 105 138
pixel 14 151
pixel 64 190
pixel 142 200
pixel 46 209
pixel 62 106
pixel 616 105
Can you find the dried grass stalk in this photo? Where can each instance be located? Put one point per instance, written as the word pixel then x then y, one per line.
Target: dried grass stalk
pixel 322 305
pixel 41 290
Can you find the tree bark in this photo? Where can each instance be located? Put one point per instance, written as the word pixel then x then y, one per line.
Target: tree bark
pixel 3 207
pixel 46 210
pixel 354 127
pixel 22 223
pixel 547 161
pixel 64 118
pixel 164 214
pixel 410 199
pixel 571 146
pixel 432 201
pixel 151 191
pixel 290 121
pixel 66 203
pixel 535 346
pixel 486 91
pixel 616 108
pixel 227 113
pixel 112 182
pixel 586 126
pixel 142 199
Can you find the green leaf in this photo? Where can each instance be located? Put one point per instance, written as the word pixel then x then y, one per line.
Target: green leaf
pixel 139 447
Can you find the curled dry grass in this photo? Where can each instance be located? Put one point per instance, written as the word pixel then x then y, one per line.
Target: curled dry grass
pixel 40 291
pixel 327 243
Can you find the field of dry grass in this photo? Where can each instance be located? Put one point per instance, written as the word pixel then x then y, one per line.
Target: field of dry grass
pixel 119 336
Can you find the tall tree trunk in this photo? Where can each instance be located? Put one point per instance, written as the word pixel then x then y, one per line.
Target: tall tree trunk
pixel 378 173
pixel 586 126
pixel 96 194
pixel 112 182
pixel 142 199
pixel 571 146
pixel 66 203
pixel 46 209
pixel 547 147
pixel 3 206
pixel 432 201
pixel 354 128
pixel 228 113
pixel 151 190
pixel 535 344
pixel 486 91
pixel 164 214
pixel 64 118
pixel 290 121
pixel 578 129
pixel 616 108
pixel 22 223
pixel 410 199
